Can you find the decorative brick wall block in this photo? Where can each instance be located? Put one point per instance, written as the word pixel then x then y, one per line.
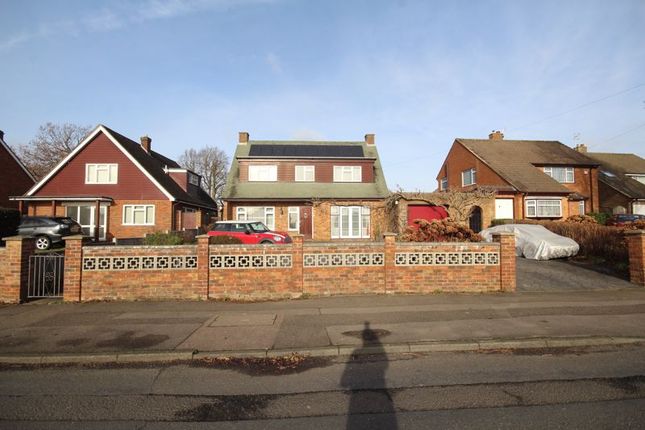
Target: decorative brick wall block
pixel 636 247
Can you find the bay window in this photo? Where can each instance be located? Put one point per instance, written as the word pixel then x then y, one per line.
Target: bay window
pixel 350 222
pixel 257 213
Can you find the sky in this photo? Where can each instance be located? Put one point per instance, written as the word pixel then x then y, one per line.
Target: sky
pixel 418 74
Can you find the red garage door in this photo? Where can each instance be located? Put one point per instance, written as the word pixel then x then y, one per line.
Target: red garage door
pixel 426 212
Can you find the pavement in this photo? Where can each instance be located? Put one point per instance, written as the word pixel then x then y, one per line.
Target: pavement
pixel 51 331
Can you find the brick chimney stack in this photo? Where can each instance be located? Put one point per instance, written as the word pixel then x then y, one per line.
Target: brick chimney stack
pixel 243 138
pixel 581 148
pixel 1 135
pixel 146 143
pixel 369 139
pixel 496 135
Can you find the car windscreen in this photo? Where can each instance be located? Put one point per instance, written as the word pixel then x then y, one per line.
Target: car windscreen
pixel 64 220
pixel 258 227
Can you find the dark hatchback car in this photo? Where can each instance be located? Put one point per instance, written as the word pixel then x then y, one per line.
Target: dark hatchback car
pixel 48 230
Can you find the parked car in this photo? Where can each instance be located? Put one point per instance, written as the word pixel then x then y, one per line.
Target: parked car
pixel 622 219
pixel 48 230
pixel 535 241
pixel 249 232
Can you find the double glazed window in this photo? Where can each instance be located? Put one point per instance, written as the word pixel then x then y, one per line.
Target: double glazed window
pixel 101 173
pixel 257 213
pixel 85 215
pixel 443 185
pixel 138 215
pixel 560 174
pixel 263 173
pixel 347 174
pixel 305 173
pixel 536 208
pixel 193 179
pixel 468 177
pixel 294 218
pixel 350 222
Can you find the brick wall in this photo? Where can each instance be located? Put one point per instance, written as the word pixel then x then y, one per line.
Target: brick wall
pixel 636 247
pixel 14 266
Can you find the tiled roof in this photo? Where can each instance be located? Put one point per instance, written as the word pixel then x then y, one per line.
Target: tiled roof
pixel 515 161
pixel 614 169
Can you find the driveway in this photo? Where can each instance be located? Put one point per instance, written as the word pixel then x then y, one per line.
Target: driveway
pixel 560 275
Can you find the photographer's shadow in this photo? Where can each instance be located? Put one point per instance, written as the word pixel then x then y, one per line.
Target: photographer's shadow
pixel 369 408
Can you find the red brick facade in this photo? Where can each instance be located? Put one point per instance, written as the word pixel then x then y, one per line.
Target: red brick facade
pixel 14 181
pixel 14 266
pixel 636 246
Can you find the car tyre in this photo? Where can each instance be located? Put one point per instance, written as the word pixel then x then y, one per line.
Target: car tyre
pixel 266 242
pixel 43 243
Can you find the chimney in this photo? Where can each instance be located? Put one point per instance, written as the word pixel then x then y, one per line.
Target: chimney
pixel 581 148
pixel 369 139
pixel 244 138
pixel 146 143
pixel 1 135
pixel 496 135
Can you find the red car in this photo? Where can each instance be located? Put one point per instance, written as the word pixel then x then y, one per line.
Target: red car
pixel 250 232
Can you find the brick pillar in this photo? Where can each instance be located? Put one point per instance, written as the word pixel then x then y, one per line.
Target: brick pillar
pixel 14 277
pixel 506 260
pixel 73 268
pixel 636 248
pixel 203 252
pixel 297 268
pixel 390 267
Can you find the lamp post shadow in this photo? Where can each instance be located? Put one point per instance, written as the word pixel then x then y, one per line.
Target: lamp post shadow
pixel 369 408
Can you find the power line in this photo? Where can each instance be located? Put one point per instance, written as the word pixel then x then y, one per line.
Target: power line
pixel 602 143
pixel 584 105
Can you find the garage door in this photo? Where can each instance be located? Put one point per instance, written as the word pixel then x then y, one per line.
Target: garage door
pixel 638 208
pixel 425 212
pixel 504 209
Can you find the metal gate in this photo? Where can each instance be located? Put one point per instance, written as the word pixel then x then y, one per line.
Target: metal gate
pixel 45 276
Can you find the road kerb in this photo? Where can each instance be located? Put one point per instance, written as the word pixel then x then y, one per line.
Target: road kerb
pixel 444 346
pixel 512 344
pixel 77 358
pixel 155 356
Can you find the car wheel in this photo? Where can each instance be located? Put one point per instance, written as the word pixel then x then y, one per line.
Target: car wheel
pixel 266 242
pixel 43 242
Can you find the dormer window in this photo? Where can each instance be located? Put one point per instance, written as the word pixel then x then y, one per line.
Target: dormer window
pixel 348 174
pixel 305 173
pixel 193 179
pixel 263 173
pixel 101 173
pixel 561 174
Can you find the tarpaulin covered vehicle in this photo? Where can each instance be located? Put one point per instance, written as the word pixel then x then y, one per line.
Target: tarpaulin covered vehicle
pixel 535 241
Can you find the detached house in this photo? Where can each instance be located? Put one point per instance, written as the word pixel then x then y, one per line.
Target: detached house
pixel 323 190
pixel 621 181
pixel 531 178
pixel 117 188
pixel 15 178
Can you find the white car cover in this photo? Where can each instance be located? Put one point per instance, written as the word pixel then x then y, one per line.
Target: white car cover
pixel 535 241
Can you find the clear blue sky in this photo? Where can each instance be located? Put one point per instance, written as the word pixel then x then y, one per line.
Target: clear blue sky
pixel 416 73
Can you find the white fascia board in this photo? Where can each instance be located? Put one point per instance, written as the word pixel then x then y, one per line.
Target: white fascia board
pixel 99 128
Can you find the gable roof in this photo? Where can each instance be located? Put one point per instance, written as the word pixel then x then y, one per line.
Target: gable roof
pixel 151 164
pixel 619 166
pixel 15 157
pixel 515 161
pixel 242 190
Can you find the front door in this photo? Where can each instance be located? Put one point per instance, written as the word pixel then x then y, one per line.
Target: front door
pixel 504 209
pixel 305 221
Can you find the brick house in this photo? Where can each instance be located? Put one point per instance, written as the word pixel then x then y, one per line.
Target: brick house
pixel 15 178
pixel 133 189
pixel 323 190
pixel 532 179
pixel 621 183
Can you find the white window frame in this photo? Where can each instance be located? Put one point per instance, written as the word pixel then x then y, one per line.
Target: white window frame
pixel 138 208
pixel 534 204
pixel 109 167
pixel 637 177
pixel 548 170
pixel 293 210
pixel 263 172
pixel 241 214
pixel 473 177
pixel 193 179
pixel 364 228
pixel 348 173
pixel 581 207
pixel 305 173
pixel 443 184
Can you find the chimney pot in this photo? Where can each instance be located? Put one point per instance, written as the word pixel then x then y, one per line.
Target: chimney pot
pixel 243 138
pixel 369 139
pixel 146 143
pixel 581 148
pixel 496 135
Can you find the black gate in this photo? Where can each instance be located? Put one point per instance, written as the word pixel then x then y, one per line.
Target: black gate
pixel 45 276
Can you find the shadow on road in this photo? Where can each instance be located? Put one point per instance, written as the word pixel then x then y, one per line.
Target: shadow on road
pixel 368 408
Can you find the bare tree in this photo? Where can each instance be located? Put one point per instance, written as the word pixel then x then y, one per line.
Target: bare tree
pixel 52 143
pixel 211 163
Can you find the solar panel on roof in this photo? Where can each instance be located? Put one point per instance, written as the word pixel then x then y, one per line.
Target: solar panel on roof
pixel 306 151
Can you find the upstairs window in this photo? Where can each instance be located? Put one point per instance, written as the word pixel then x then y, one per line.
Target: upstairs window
pixel 468 177
pixel 560 174
pixel 101 173
pixel 305 173
pixel 443 184
pixel 193 179
pixel 639 178
pixel 348 174
pixel 263 173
